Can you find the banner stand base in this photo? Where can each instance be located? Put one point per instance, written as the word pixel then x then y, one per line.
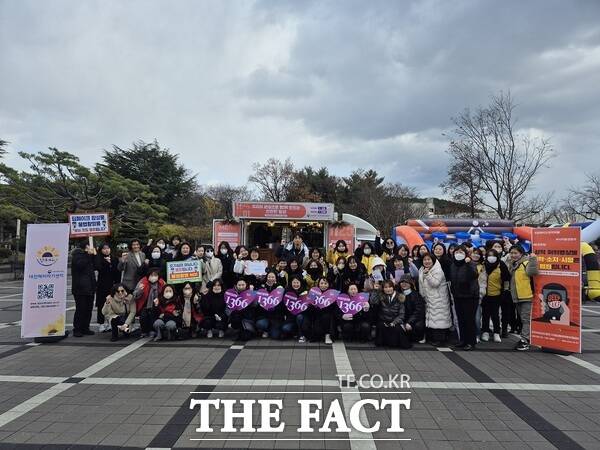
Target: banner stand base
pixel 50 339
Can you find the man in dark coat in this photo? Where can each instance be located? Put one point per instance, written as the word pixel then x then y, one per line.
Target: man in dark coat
pixel 83 287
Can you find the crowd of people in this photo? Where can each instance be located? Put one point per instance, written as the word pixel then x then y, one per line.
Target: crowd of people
pixel 445 294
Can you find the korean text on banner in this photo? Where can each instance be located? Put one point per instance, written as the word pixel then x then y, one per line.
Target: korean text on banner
pixel 556 307
pixel 183 271
pixel 92 224
pixel 45 280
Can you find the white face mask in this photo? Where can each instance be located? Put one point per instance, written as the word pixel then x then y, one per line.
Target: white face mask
pixel 407 291
pixel 209 254
pixel 341 266
pixel 153 279
pixel 224 251
pixel 187 292
pixel 155 255
pixel 459 256
pixel 367 251
pixel 492 259
pixel 161 246
pixel 168 295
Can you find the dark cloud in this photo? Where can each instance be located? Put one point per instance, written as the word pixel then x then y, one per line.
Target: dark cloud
pixel 345 84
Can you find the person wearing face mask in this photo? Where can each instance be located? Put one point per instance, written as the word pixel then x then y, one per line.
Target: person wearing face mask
pixel 378 272
pixel 156 260
pixel 314 271
pixel 106 265
pixel 439 251
pixel 478 257
pixel 168 312
pixel 191 314
pixel 414 309
pixel 212 307
pixel 212 269
pixel 147 290
pixel 356 327
pixel 119 310
pixel 270 322
pixel 390 327
pixel 433 287
pixel 339 250
pixel 225 255
pixel 464 286
pixel 522 269
pixel 497 285
pixel 336 275
pixel 365 254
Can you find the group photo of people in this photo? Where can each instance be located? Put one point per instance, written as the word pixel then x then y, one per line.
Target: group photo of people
pixel 456 294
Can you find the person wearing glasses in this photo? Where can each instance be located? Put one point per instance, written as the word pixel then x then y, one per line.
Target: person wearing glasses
pixel 119 310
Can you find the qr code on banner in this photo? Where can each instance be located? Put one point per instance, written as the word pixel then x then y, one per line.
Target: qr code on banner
pixel 45 291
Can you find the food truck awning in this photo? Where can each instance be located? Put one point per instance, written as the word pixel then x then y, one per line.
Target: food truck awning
pixel 283 211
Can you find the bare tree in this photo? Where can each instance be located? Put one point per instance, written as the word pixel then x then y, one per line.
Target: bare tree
pixel 273 179
pixel 219 199
pixel 486 144
pixel 463 186
pixel 584 201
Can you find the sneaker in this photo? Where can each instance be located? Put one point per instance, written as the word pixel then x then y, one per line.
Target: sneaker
pixel 328 340
pixel 102 328
pixel 265 335
pixel 209 334
pixel 477 340
pixel 497 339
pixel 221 334
pixel 522 345
pixel 301 340
pixel 422 341
pixel 485 336
pixel 143 335
pixel 468 347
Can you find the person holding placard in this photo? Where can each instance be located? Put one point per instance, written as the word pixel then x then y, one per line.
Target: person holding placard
pixel 269 321
pixel 212 267
pixel 83 287
pixel 212 307
pixel 356 326
pixel 297 287
pixel 244 320
pixel 320 321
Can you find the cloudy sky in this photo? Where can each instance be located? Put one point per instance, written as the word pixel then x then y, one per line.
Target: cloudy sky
pixel 342 84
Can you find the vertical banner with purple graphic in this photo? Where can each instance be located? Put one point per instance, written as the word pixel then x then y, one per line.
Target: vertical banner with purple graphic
pixel 45 280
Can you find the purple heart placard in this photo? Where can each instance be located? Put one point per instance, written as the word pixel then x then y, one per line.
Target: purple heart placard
pixel 295 304
pixel 324 299
pixel 352 305
pixel 270 300
pixel 237 302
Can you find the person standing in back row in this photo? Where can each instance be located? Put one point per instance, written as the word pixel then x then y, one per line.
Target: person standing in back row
pixel 83 287
pixel 132 264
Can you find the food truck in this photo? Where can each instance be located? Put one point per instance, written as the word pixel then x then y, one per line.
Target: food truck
pixel 267 225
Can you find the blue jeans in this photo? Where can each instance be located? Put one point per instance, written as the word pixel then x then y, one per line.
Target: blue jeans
pixel 269 326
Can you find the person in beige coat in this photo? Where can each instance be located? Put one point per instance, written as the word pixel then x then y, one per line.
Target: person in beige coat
pixel 119 310
pixel 212 269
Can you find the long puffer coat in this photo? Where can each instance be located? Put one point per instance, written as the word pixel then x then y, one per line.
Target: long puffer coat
pixel 434 289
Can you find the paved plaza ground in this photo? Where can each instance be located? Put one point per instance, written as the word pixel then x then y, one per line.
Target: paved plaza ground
pixel 91 393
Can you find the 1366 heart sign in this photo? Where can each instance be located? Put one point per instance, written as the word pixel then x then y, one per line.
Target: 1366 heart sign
pixel 237 301
pixel 269 300
pixel 352 305
pixel 323 299
pixel 296 304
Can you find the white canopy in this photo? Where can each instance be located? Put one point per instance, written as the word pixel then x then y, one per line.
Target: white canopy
pixel 364 230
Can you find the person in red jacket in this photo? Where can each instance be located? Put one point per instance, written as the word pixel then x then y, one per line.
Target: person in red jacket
pixel 168 312
pixel 147 290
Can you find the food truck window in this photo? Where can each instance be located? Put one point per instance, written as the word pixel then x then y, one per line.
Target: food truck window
pixel 269 235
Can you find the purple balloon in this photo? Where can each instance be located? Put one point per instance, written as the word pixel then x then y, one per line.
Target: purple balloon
pixel 270 300
pixel 352 305
pixel 295 304
pixel 235 301
pixel 325 299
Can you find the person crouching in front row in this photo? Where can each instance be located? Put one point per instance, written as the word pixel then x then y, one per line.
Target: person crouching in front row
pixel 414 309
pixel 168 311
pixel 244 321
pixel 212 307
pixel 119 309
pixel 356 327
